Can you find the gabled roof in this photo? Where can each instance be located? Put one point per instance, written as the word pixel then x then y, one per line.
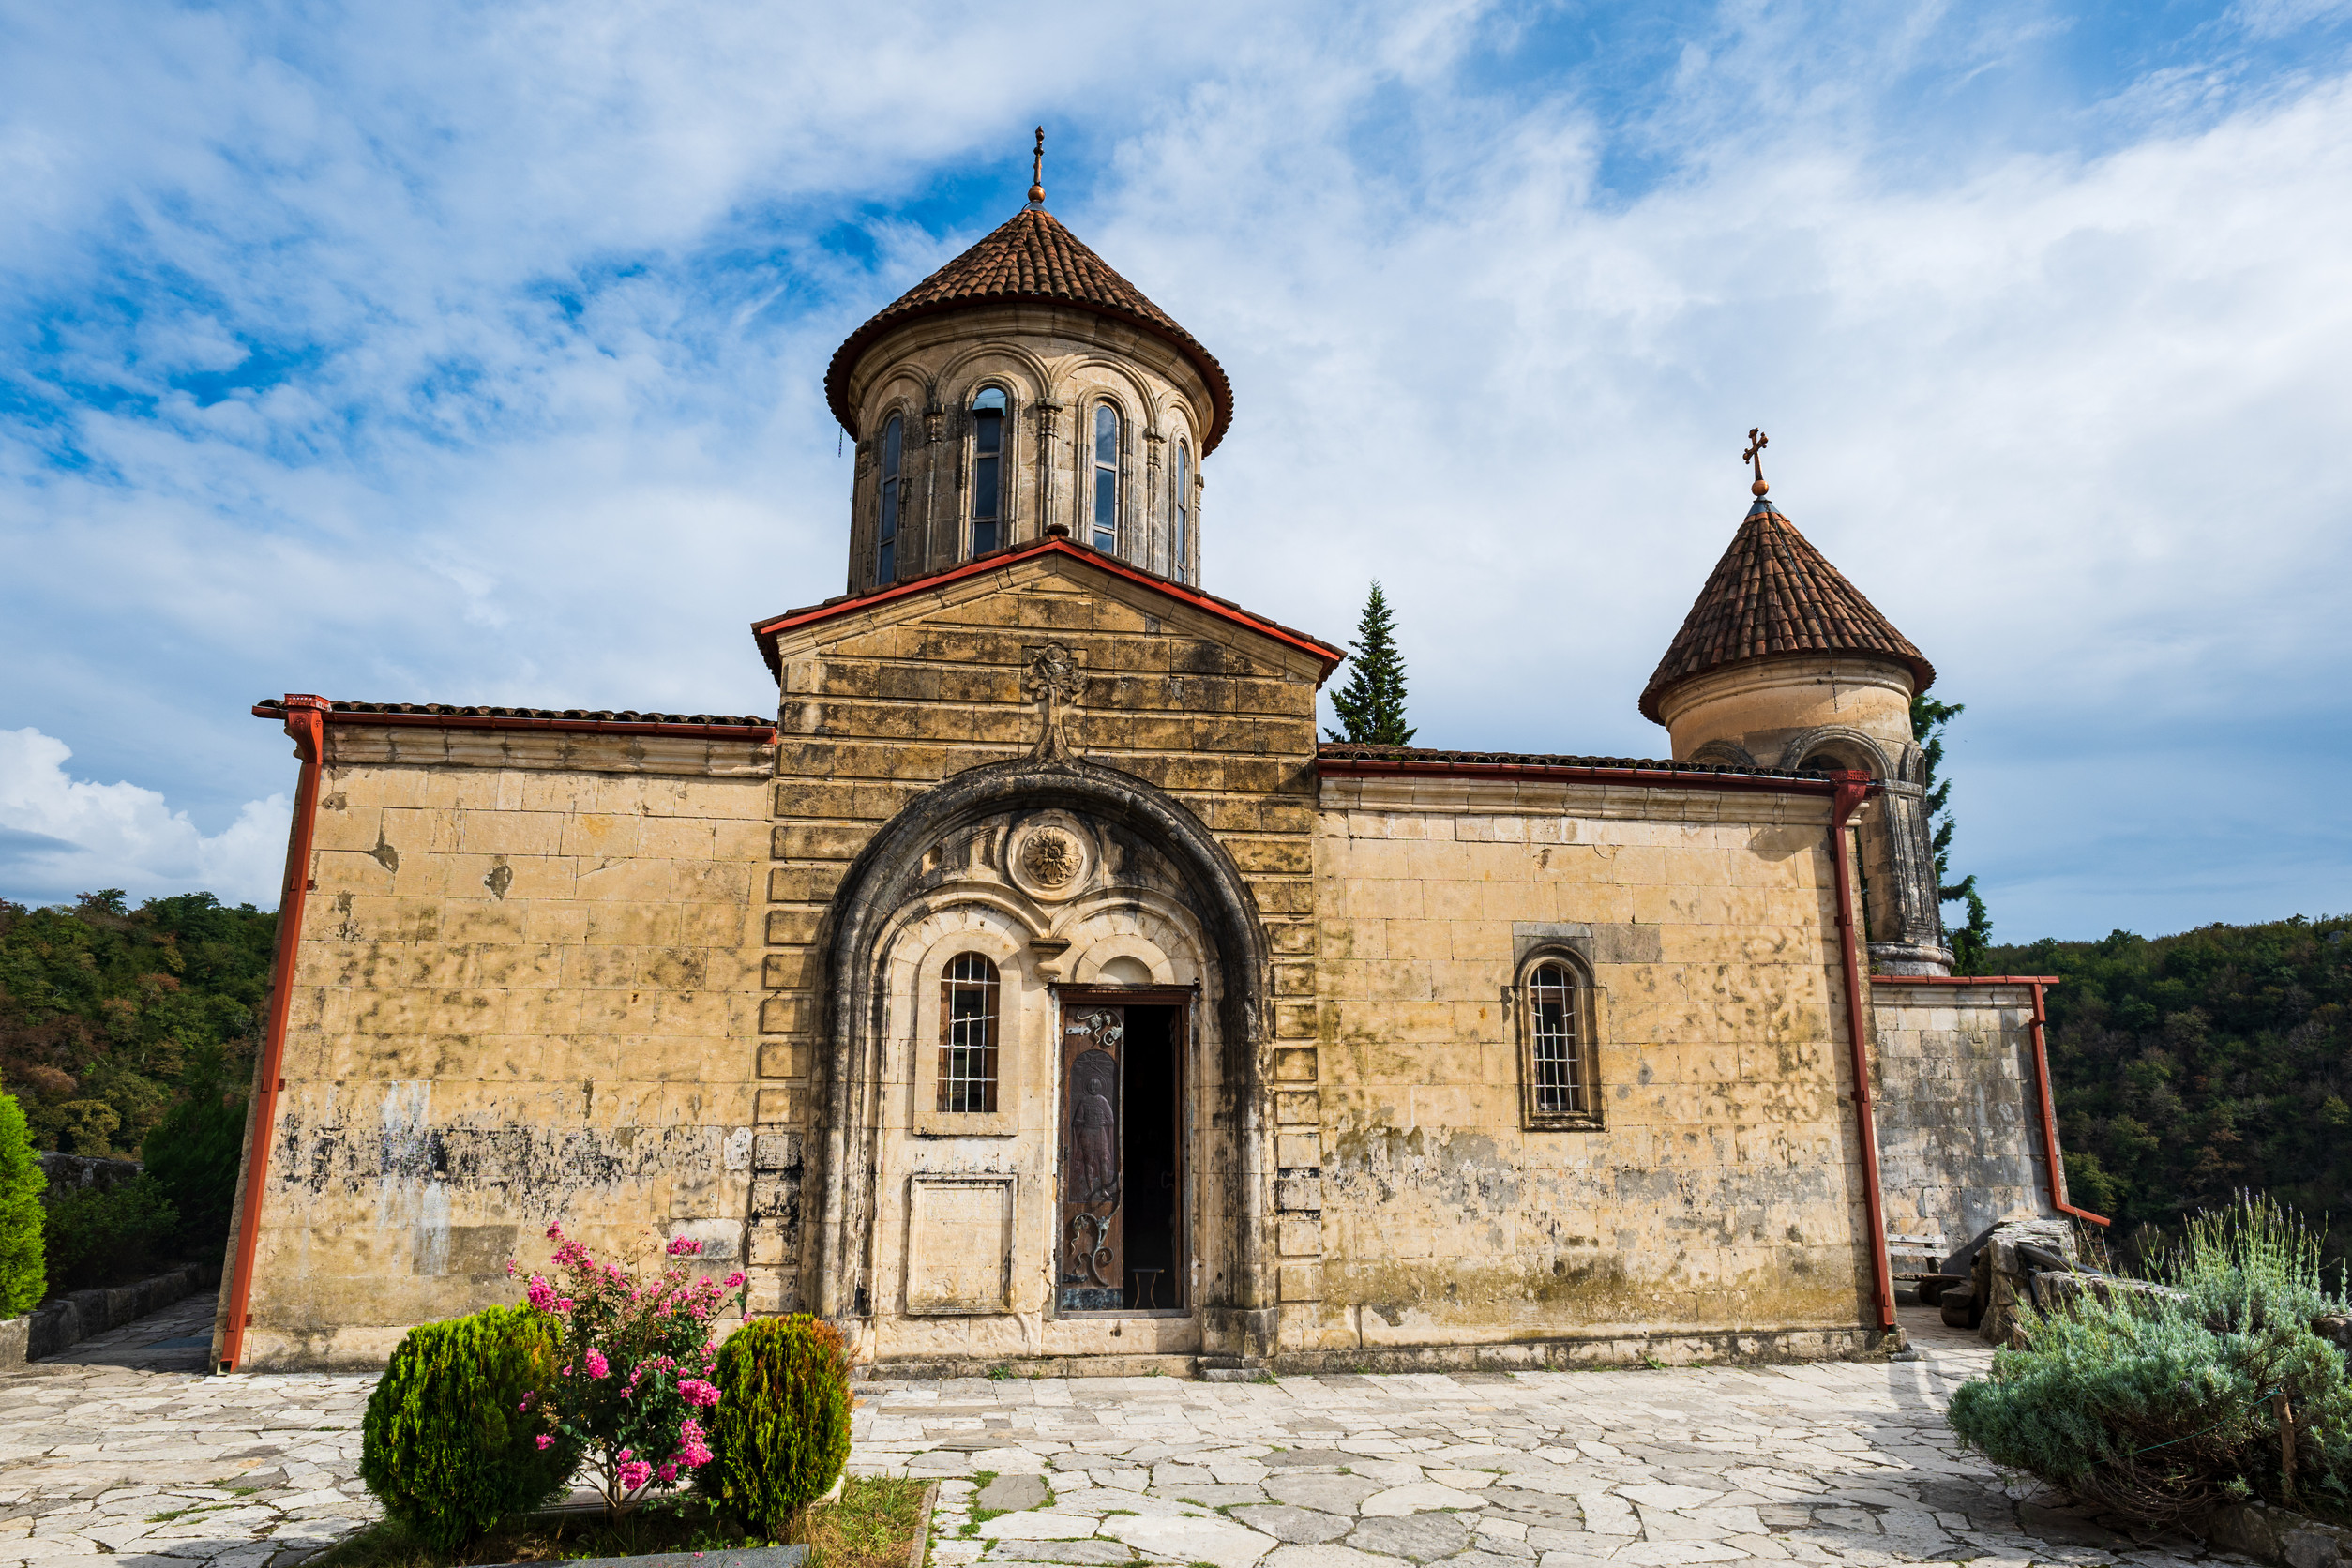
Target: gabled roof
pixel 764 632
pixel 1032 257
pixel 1773 596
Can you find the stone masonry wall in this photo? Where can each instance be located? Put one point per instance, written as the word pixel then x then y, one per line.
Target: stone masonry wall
pixel 1721 1191
pixel 883 701
pixel 526 991
pixel 1959 1119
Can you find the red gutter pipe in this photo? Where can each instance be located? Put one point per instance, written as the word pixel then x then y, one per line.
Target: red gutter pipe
pixel 306 721
pixel 1854 788
pixel 2041 1068
pixel 2049 1116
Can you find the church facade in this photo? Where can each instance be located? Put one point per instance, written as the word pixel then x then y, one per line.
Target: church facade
pixel 1034 988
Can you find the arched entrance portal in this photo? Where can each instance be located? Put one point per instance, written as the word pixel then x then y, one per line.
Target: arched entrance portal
pixel 1044 1120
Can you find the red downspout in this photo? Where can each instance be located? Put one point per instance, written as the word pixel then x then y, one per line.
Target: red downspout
pixel 306 721
pixel 2049 1119
pixel 1853 788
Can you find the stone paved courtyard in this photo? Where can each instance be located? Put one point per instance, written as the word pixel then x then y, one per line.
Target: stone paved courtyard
pixel 121 1448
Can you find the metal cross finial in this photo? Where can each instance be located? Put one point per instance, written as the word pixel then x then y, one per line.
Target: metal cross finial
pixel 1757 440
pixel 1037 171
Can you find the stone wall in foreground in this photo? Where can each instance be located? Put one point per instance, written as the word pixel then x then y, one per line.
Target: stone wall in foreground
pixel 527 991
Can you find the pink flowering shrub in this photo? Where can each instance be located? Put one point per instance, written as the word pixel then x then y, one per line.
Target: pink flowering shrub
pixel 636 1355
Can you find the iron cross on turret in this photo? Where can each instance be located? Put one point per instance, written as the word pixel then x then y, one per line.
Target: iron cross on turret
pixel 1757 440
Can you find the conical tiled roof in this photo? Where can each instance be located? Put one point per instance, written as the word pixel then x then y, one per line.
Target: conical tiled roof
pixel 1032 257
pixel 1773 596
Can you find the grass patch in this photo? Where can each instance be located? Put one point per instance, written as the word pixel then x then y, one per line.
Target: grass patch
pixel 875 1524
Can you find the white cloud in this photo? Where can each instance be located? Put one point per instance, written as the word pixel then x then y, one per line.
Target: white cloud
pixel 60 836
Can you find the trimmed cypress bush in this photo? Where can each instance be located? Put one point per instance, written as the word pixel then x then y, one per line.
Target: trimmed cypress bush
pixel 781 1432
pixel 23 1271
pixel 454 1434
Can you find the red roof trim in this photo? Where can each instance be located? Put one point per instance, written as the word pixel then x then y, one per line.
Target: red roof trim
pixel 1654 778
pixel 758 734
pixel 764 631
pixel 1965 980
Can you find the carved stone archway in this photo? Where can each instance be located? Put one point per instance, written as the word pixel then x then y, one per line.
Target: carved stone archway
pixel 880 882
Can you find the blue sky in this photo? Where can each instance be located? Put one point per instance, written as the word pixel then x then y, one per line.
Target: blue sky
pixel 444 353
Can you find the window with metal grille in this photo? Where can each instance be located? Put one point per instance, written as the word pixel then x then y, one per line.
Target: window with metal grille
pixel 886 544
pixel 1556 1055
pixel 987 470
pixel 967 1035
pixel 1105 477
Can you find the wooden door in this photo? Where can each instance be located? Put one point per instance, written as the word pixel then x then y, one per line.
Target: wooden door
pixel 1090 1270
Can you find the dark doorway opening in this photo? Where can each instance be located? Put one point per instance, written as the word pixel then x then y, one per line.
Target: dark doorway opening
pixel 1120 1246
pixel 1156 1162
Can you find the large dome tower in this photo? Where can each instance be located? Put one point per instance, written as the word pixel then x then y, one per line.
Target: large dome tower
pixel 1025 390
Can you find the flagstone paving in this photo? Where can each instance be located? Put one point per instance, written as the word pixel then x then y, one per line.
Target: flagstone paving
pixel 1836 1463
pixel 118 1452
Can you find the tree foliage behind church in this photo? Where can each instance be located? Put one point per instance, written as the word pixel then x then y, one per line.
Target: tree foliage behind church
pixel 1371 707
pixel 2190 1068
pixel 109 1015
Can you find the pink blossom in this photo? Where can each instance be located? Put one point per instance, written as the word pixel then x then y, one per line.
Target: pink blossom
pixel 540 1293
pixel 734 1281
pixel 669 1472
pixel 564 1372
pixel 545 1439
pixel 635 1473
pixel 555 1230
pixel 699 1394
pixel 684 1246
pixel 597 1365
pixel 564 1303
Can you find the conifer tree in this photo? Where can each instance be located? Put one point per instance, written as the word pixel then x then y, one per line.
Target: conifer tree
pixel 1372 708
pixel 1928 718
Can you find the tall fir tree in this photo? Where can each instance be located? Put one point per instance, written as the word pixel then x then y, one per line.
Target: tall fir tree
pixel 1372 708
pixel 1928 718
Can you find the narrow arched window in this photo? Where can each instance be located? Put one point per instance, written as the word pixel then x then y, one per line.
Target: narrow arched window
pixel 1180 530
pixel 968 995
pixel 1557 1060
pixel 886 546
pixel 987 470
pixel 1105 477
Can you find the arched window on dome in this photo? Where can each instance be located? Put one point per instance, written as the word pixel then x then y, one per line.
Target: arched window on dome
pixel 1105 477
pixel 886 537
pixel 1180 528
pixel 987 470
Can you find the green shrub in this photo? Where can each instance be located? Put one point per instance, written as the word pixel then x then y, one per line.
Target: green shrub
pixel 107 1235
pixel 193 1154
pixel 23 1271
pixel 2163 1403
pixel 781 1431
pixel 456 1435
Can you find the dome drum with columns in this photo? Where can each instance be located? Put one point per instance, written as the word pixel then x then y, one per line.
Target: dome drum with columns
pixel 1024 391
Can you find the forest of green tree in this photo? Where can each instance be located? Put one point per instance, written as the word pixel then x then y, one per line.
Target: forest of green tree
pixel 2187 1068
pixel 109 1015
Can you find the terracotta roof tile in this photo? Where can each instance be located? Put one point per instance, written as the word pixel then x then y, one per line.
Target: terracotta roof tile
pixel 360 712
pixel 1772 596
pixel 1426 758
pixel 1032 257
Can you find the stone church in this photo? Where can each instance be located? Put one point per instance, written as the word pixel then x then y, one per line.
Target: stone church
pixel 1034 988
